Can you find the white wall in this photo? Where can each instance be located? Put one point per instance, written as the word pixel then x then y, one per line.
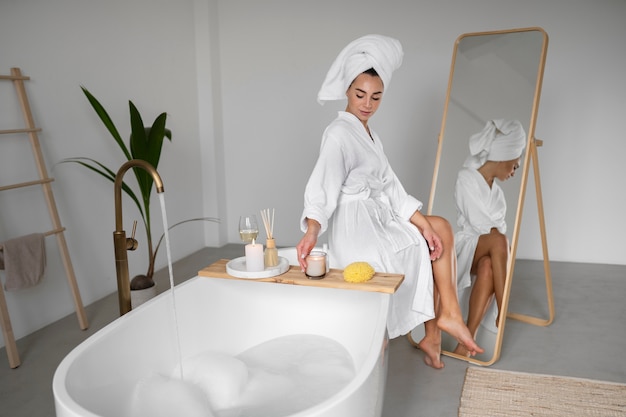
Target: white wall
pixel 239 78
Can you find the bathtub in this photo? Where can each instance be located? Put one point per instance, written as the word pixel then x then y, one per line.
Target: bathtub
pixel 226 316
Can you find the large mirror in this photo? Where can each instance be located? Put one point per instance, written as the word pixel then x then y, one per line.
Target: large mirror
pixel 494 75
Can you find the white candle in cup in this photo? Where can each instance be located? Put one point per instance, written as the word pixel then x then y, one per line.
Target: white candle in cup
pixel 316 264
pixel 254 257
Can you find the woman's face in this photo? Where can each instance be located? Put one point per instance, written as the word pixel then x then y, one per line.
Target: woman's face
pixel 506 169
pixel 364 96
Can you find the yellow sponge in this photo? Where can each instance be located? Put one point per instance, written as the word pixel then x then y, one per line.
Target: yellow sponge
pixel 358 272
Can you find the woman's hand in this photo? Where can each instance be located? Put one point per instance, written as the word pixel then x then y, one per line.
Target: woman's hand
pixel 308 242
pixel 435 245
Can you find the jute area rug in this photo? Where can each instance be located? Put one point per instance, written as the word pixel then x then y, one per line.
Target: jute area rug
pixel 495 393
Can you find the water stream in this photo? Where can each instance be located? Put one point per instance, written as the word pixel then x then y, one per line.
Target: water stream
pixel 171 275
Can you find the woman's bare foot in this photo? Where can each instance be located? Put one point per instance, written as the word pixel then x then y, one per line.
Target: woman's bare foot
pixel 432 351
pixel 458 329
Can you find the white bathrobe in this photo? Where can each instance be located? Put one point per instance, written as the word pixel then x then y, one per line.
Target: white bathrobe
pixel 353 190
pixel 479 209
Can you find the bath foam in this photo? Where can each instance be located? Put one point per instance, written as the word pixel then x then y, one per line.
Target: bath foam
pixel 161 396
pixel 277 378
pixel 292 373
pixel 223 378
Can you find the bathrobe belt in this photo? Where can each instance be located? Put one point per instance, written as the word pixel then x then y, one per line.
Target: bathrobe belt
pixel 396 231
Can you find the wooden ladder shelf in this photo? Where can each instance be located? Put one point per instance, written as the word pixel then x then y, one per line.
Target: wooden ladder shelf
pixel 57 229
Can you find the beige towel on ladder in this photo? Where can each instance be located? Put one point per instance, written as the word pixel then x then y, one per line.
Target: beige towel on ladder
pixel 24 260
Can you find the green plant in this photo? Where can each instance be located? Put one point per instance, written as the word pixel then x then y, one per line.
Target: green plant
pixel 145 143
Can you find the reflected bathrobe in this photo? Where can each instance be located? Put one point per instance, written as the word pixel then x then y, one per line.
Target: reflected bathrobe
pixel 479 209
pixel 355 195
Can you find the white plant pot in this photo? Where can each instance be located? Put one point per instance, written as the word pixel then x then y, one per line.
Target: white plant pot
pixel 138 297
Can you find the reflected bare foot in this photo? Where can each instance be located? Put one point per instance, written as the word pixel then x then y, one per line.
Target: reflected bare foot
pixel 461 350
pixel 432 351
pixel 457 328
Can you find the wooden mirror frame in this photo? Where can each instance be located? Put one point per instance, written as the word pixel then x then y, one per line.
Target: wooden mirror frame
pixel 529 154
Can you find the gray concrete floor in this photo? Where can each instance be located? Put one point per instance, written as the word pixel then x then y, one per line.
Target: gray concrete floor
pixel 586 340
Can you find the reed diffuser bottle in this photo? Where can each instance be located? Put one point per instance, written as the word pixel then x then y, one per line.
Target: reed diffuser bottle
pixel 271 253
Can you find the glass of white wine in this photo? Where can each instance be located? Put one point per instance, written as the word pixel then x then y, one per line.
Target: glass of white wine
pixel 248 228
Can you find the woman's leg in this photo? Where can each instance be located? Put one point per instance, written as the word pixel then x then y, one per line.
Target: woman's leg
pixel 494 245
pixel 449 318
pixel 480 296
pixel 431 343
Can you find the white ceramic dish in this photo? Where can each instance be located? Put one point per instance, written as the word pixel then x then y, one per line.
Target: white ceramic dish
pixel 237 268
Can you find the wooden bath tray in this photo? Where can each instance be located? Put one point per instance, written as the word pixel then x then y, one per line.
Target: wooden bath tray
pixel 381 282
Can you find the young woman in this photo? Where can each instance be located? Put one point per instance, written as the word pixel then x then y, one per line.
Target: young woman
pixel 481 244
pixel 355 195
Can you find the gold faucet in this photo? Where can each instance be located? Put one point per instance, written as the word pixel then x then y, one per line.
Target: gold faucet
pixel 120 242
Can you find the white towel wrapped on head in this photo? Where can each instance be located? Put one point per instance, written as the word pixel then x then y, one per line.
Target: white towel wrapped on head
pixel 500 140
pixel 382 53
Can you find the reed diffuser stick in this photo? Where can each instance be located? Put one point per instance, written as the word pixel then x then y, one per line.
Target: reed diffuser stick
pixel 268 222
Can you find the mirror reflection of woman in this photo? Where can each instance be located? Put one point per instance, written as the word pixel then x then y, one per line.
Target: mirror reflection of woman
pixel 481 243
pixel 354 193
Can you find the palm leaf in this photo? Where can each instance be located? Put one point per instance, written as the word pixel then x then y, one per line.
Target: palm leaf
pixel 138 150
pixel 107 173
pixel 210 219
pixel 106 119
pixel 154 137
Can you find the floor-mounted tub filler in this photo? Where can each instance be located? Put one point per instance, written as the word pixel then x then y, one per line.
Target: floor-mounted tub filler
pixel 246 348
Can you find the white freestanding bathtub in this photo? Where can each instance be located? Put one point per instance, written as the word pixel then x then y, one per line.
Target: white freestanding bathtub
pixel 226 316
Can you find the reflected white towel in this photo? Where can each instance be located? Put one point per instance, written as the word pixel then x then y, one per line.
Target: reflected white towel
pixel 24 260
pixel 500 140
pixel 382 53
